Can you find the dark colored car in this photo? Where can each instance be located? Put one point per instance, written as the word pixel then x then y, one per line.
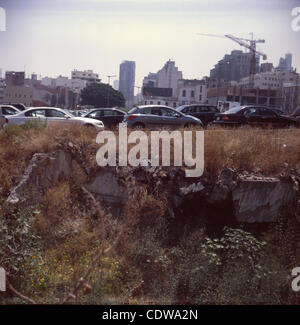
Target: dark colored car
pixel 296 113
pixel 254 116
pixel 109 116
pixel 205 113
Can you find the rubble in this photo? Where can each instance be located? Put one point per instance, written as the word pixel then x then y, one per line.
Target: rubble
pixel 248 197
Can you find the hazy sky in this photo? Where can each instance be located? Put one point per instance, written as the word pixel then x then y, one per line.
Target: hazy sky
pixel 52 37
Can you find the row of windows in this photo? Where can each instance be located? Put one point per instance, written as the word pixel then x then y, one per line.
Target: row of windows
pixel 271 85
pixel 18 95
pixel 192 92
pixel 151 102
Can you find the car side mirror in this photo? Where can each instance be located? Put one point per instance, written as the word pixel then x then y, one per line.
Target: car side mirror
pixel 177 115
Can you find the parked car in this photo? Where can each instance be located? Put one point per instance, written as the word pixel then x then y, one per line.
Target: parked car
pixel 158 116
pixel 205 113
pixel 255 116
pixel 6 110
pixel 19 106
pixel 51 115
pixel 296 113
pixel 109 116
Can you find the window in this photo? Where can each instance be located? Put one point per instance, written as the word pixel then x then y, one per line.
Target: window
pixel 146 110
pixel 8 111
pixel 112 113
pixel 151 102
pixel 108 113
pixel 266 112
pixel 55 113
pixel 183 93
pixel 95 114
pixel 36 113
pixel 167 104
pixel 168 112
pixel 192 93
pixel 145 102
pixel 203 109
pixel 174 105
pixel 200 97
pixel 158 103
pixel 193 109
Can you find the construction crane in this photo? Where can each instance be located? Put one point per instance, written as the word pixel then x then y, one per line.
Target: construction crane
pixel 249 44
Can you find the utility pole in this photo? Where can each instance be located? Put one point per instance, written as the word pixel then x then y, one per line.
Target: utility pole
pixel 108 89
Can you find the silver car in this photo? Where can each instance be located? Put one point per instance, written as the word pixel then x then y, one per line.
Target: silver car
pixel 157 116
pixel 51 115
pixel 7 110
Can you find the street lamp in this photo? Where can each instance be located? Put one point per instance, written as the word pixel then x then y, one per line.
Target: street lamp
pixel 108 89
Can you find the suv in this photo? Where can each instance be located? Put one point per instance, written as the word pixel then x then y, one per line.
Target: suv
pixel 205 113
pixel 109 116
pixel 158 116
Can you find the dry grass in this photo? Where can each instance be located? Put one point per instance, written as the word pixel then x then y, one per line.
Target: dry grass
pixel 245 149
pixel 71 232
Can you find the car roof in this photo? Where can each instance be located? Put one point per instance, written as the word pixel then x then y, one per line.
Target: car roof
pixel 45 108
pixel 145 106
pixel 105 108
pixel 9 105
pixel 195 104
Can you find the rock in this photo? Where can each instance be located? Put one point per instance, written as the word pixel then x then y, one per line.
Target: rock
pixel 106 188
pixel 261 199
pixel 193 188
pixel 223 187
pixel 43 171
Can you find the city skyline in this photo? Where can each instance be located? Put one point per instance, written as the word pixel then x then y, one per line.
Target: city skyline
pixel 53 38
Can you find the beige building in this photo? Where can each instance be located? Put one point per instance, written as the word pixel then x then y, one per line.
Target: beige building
pixel 271 80
pixel 19 94
pixel 191 91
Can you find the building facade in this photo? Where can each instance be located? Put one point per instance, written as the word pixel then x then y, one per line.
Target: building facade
pixel 191 91
pixel 2 88
pixel 245 96
pixel 286 62
pixel 87 75
pixel 275 79
pixel 127 80
pixel 234 66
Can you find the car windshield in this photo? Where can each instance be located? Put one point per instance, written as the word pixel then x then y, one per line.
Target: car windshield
pixel 180 108
pixel 68 113
pixel 133 110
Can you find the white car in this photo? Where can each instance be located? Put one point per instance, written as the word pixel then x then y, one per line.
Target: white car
pixel 49 115
pixel 7 110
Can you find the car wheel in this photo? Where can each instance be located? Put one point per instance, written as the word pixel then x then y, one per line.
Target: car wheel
pixel 138 126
